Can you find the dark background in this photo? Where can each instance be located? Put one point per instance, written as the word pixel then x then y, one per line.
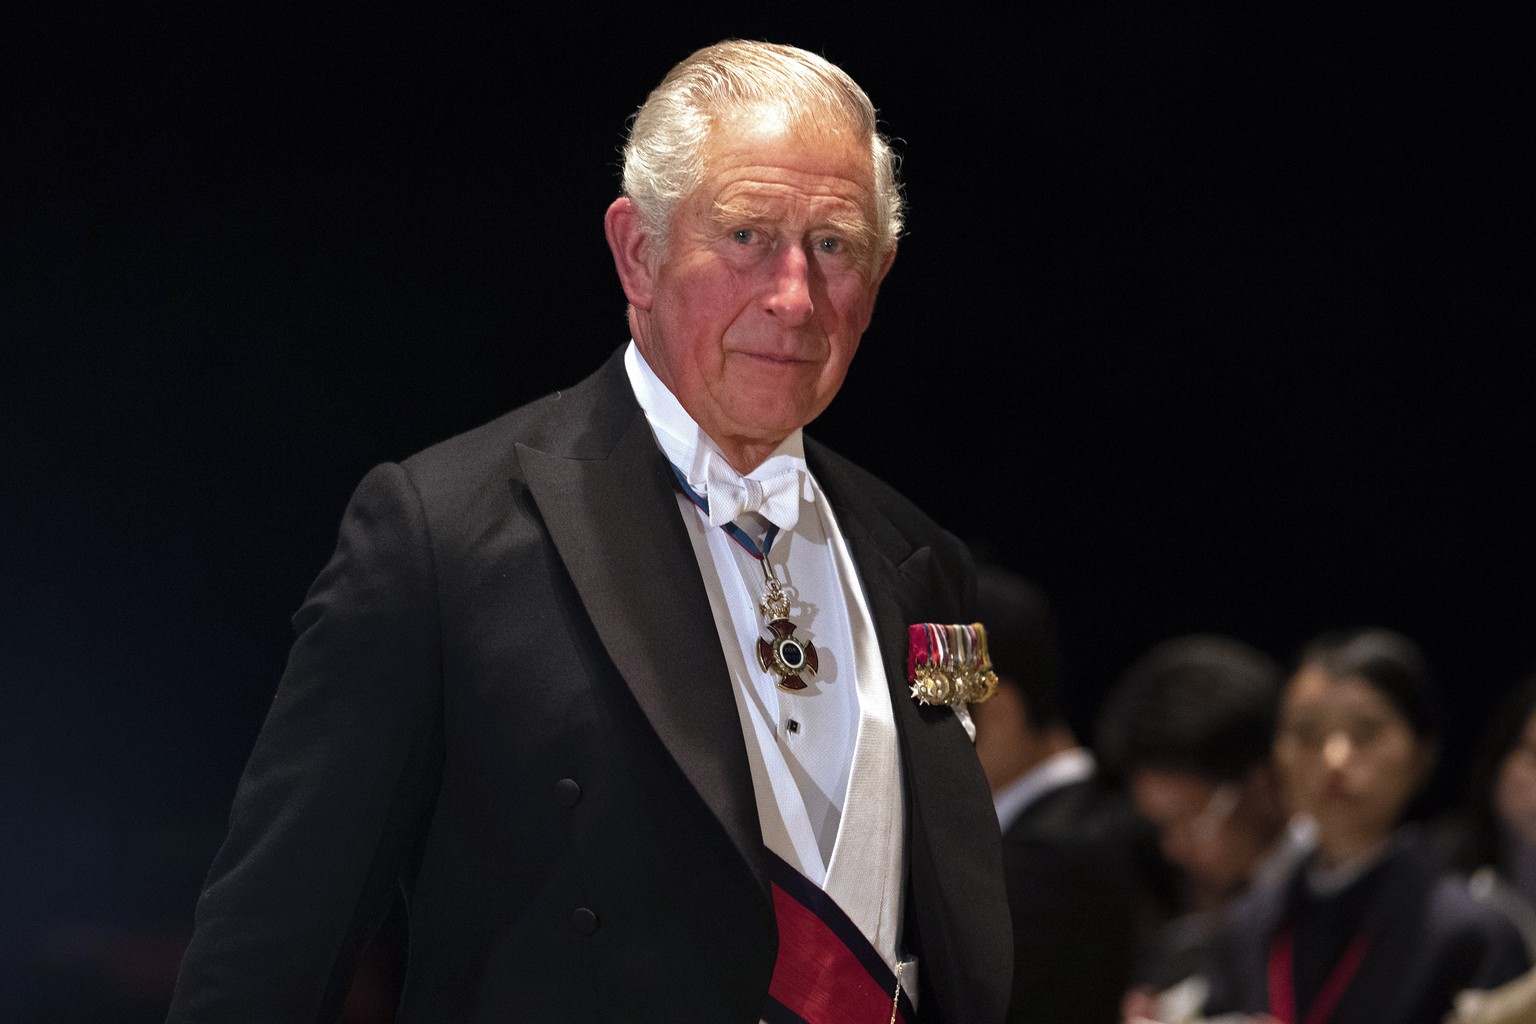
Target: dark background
pixel 1206 320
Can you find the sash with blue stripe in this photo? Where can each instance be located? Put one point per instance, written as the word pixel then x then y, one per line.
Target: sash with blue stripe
pixel 827 971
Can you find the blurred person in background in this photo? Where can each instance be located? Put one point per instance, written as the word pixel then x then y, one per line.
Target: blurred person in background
pixel 1075 856
pixel 1493 836
pixel 1370 928
pixel 1188 729
pixel 1492 839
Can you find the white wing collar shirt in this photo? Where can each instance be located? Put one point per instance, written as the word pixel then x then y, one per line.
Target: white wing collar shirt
pixel 825 764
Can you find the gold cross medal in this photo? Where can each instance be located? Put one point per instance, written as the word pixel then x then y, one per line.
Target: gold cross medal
pixel 782 653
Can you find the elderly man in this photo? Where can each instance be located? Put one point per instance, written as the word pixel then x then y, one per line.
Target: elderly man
pixel 616 692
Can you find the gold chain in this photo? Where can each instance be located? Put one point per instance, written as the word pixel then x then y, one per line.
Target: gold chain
pixel 896 996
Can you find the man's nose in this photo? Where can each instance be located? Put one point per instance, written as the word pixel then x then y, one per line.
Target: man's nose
pixel 789 298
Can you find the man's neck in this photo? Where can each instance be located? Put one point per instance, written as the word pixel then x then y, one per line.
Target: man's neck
pixel 1041 747
pixel 685 435
pixel 744 458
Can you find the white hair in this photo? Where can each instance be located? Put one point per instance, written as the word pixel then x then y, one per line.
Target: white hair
pixel 668 135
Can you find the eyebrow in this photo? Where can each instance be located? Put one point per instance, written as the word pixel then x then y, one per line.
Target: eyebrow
pixel 857 231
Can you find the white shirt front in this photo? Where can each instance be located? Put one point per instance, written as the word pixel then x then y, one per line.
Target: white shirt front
pixel 825 760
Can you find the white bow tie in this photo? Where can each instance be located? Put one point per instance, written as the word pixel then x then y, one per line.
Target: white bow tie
pixel 775 498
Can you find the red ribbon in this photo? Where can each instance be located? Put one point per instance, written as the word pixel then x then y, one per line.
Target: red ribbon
pixel 1282 990
pixel 917 649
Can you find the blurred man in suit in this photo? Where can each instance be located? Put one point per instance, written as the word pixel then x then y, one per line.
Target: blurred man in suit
pixel 1188 728
pixel 1082 870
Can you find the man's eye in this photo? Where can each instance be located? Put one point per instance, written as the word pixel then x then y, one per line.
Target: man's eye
pixel 743 236
pixel 830 246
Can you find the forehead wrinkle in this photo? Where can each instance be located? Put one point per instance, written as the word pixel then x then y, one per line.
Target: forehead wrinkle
pixel 765 200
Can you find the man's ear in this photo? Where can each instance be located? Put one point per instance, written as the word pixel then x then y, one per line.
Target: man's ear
pixel 630 243
pixel 884 266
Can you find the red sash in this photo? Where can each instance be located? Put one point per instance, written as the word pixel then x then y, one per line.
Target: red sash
pixel 827 971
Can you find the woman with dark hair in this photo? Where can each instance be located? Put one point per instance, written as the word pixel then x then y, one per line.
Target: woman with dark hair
pixel 1371 929
pixel 1496 834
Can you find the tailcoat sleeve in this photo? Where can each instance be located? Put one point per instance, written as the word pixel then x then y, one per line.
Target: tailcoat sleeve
pixel 335 794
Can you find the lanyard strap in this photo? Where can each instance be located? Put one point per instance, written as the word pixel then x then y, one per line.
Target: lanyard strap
pixel 732 531
pixel 1282 988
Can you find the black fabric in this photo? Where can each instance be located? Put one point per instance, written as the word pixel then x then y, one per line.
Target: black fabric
pixel 1080 906
pixel 1324 926
pixel 1430 940
pixel 506 698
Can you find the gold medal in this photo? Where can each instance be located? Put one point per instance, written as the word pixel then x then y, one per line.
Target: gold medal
pixel 782 653
pixel 949 664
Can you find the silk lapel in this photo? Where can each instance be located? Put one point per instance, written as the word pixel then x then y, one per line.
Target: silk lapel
pixel 614 522
pixel 936 751
pixel 896 577
pixel 954 849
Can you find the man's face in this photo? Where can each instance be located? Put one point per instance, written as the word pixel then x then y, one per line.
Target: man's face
pixel 1202 828
pixel 768 283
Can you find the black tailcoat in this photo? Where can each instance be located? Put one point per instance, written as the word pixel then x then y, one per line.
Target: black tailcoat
pixel 507 698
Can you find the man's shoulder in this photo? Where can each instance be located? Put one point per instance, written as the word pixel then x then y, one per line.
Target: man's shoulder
pixel 850 485
pixel 895 523
pixel 578 421
pixel 1091 809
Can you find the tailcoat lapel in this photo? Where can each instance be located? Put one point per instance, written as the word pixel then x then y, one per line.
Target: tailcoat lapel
pixel 955 874
pixel 898 583
pixel 612 515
